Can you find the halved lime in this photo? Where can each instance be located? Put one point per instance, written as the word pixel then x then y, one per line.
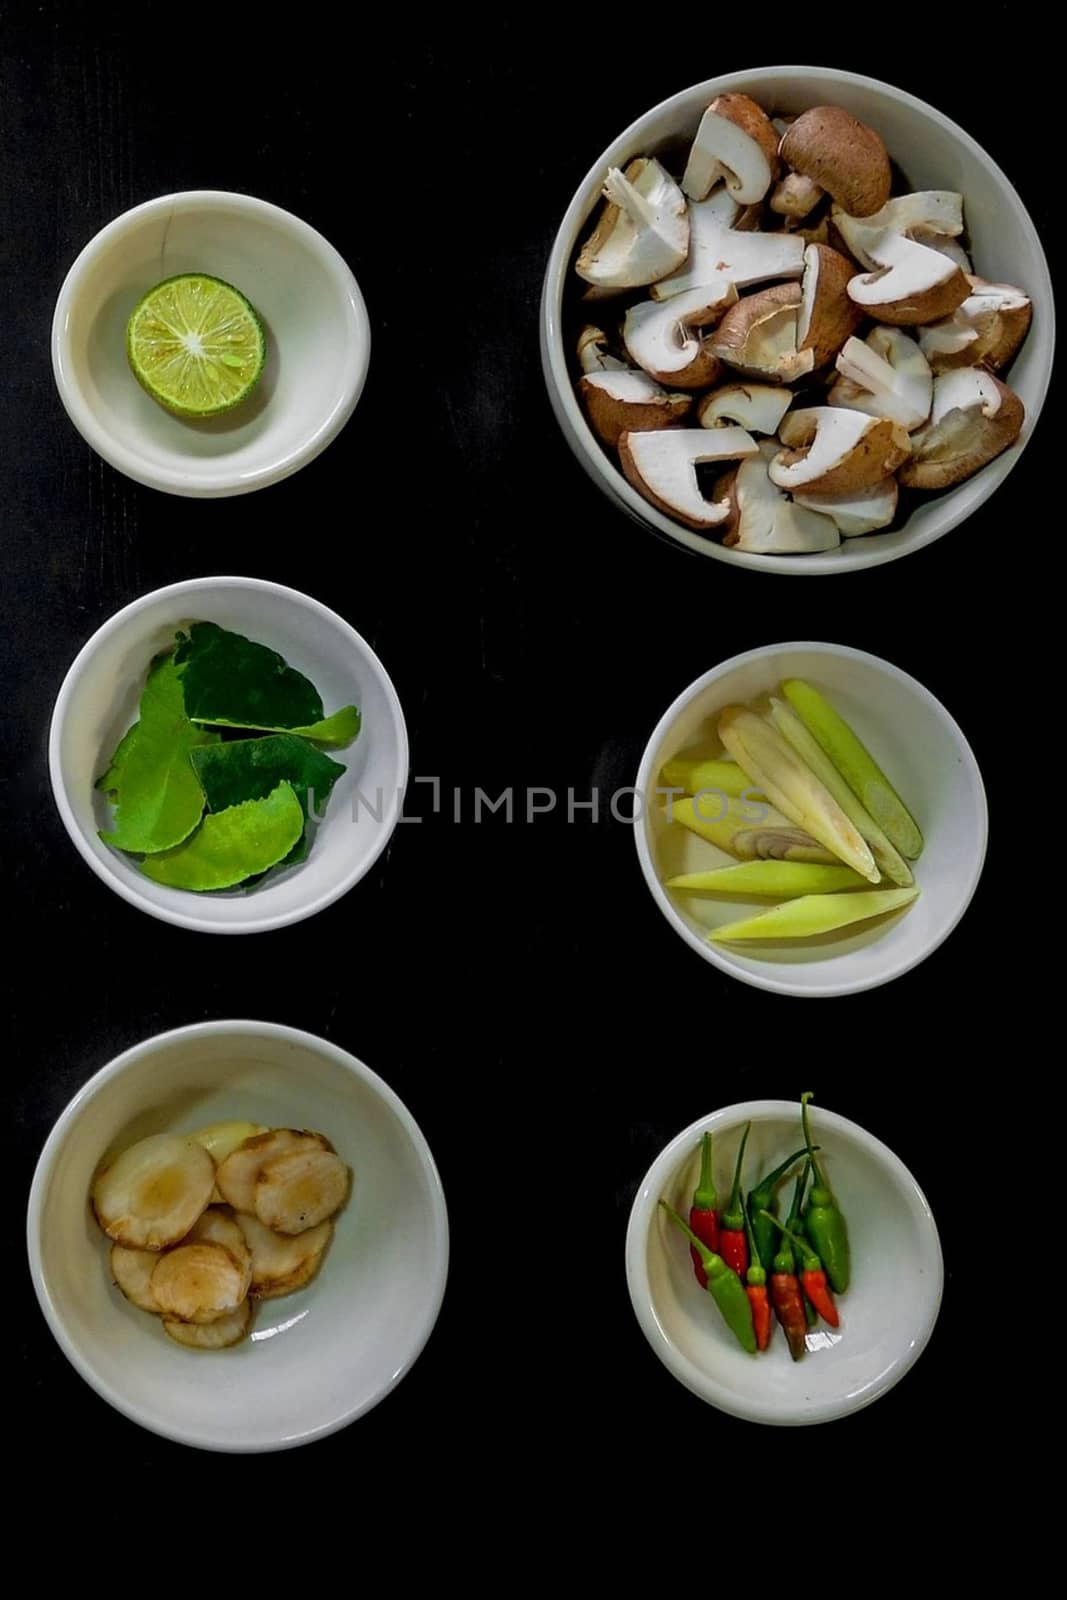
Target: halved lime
pixel 196 345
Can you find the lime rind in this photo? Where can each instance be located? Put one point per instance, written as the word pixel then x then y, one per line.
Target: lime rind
pixel 196 345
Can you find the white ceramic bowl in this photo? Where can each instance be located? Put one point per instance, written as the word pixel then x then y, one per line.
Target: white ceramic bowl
pixel 98 702
pixel 317 331
pixel 887 1315
pixel 934 153
pixel 923 753
pixel 316 1359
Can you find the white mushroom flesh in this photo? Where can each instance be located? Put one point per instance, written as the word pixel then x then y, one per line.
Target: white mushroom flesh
pixel 666 463
pixel 593 353
pixel 769 523
pixel 831 434
pixel 893 375
pixel 795 196
pixel 661 338
pixel 718 250
pixel 759 407
pixel 723 150
pixel 903 271
pixel 861 511
pixel 643 233
pixel 974 323
pixel 923 215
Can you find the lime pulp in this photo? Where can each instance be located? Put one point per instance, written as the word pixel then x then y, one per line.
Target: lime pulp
pixel 196 345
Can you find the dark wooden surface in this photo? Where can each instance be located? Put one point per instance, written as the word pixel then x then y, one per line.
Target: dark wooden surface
pixel 515 983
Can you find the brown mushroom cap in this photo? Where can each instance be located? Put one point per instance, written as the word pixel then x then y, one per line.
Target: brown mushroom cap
pixel 827 316
pixel 863 451
pixel 963 439
pixel 621 402
pixel 746 114
pixel 735 338
pixel 842 155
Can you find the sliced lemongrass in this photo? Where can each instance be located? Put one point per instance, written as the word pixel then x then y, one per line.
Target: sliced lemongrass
pixel 814 914
pixel 887 857
pixel 709 777
pixel 793 787
pixel 856 765
pixel 784 880
pixel 754 832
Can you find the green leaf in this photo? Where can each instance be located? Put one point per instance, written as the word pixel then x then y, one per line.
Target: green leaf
pixel 110 780
pixel 232 845
pixel 158 798
pixel 249 769
pixel 231 680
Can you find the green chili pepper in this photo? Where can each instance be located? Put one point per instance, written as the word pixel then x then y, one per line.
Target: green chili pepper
pixel 823 1220
pixel 724 1286
pixel 796 1223
pixel 762 1198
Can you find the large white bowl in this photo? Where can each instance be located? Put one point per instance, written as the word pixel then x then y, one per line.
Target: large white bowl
pixel 318 342
pixel 923 753
pixel 887 1315
pixel 934 153
pixel 316 1359
pixel 98 702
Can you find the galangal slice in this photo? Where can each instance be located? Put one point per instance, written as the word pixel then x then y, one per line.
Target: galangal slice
pixel 301 1188
pixel 280 1262
pixel 150 1196
pixel 200 1282
pixel 132 1270
pixel 217 1335
pixel 238 1175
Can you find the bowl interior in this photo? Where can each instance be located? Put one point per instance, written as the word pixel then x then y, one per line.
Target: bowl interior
pixel 933 153
pixel 886 1316
pixel 923 754
pixel 316 1357
pixel 99 701
pixel 307 299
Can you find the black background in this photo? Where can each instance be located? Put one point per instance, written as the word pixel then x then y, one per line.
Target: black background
pixel 515 984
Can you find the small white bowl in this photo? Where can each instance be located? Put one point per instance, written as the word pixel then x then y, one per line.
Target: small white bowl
pixel 934 153
pixel 923 753
pixel 98 702
pixel 887 1316
pixel 318 342
pixel 317 1359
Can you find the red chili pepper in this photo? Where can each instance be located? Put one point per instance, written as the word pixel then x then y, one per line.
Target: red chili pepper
pixel 789 1309
pixel 703 1213
pixel 733 1245
pixel 756 1289
pixel 812 1277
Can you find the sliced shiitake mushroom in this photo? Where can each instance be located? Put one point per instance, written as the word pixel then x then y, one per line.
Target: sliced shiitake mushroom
pixel 150 1196
pixel 301 1188
pixel 280 1262
pixel 238 1174
pixel 132 1270
pixel 218 1335
pixel 200 1282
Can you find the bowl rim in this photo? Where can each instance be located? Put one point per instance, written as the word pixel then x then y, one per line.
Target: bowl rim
pixel 103 868
pixel 709 1389
pixel 587 448
pixel 201 479
pixel 710 952
pixel 130 1059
